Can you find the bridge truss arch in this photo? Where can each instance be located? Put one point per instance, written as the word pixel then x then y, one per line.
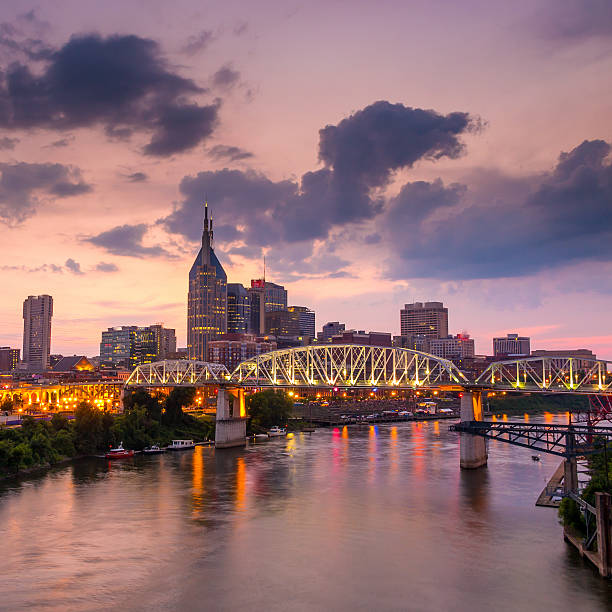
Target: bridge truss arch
pixel 177 373
pixel 347 366
pixel 550 374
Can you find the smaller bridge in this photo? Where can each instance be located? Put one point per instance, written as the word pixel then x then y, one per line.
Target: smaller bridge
pixel 177 373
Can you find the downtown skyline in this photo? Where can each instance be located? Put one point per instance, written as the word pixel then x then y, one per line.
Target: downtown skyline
pixel 367 178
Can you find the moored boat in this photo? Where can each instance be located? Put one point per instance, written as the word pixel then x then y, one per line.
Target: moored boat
pixel 153 450
pixel 180 445
pixel 261 436
pixel 119 452
pixel 275 432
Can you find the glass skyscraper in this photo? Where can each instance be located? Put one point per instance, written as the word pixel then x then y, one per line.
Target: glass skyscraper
pixel 207 298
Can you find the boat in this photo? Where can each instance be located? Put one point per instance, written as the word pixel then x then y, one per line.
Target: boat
pixel 153 450
pixel 180 445
pixel 276 431
pixel 119 452
pixel 535 457
pixel 261 436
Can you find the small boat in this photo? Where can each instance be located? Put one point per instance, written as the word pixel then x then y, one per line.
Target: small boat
pixel 119 452
pixel 535 457
pixel 180 445
pixel 153 450
pixel 274 432
pixel 261 436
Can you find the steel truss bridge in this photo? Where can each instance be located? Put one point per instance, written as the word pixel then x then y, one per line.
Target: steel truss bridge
pixel 348 365
pixel 549 375
pixel 563 440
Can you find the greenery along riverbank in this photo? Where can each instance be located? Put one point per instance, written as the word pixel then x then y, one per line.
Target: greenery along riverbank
pixel 601 482
pixel 146 420
pixel 536 402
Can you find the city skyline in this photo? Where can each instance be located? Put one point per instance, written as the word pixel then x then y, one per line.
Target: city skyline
pixel 106 225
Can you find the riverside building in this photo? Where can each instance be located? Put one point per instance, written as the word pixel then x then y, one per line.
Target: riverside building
pixel 428 320
pixel 207 297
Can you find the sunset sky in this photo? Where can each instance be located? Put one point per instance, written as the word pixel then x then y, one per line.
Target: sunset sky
pixel 378 153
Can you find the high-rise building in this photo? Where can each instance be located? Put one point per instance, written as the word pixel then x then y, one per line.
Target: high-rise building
pixel 512 344
pixel 360 337
pixel 238 309
pixel 283 323
pixel 9 358
pixel 129 345
pixel 306 320
pixel 257 301
pixel 37 314
pixel 207 299
pixel 265 297
pixel 165 339
pixel 333 328
pixel 429 320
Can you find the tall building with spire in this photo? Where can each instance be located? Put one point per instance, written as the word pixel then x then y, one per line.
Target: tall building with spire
pixel 207 299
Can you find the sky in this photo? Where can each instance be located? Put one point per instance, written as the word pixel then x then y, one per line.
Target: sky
pixel 376 153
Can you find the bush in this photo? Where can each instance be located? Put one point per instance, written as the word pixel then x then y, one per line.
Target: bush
pixel 269 408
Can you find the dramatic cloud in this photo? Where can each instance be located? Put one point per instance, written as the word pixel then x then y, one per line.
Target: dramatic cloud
pixel 360 155
pixel 62 142
pixel 576 19
pixel 23 187
pixel 120 82
pixel 73 266
pixel 198 42
pixel 8 144
pixel 126 240
pixel 565 219
pixel 225 77
pixel 229 153
pixel 106 267
pixel 137 177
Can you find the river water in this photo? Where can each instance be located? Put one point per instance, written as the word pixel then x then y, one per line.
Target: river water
pixel 376 518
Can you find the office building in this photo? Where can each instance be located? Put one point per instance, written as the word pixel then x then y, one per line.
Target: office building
pixel 306 320
pixel 415 343
pixel 165 340
pixel 429 319
pixel 264 297
pixel 9 358
pixel 37 314
pixel 511 345
pixel 129 345
pixel 283 323
pixel 333 328
pixel 207 298
pixel 455 348
pixel 232 349
pixel 238 309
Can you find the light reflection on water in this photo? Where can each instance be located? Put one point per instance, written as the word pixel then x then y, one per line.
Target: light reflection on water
pixel 378 517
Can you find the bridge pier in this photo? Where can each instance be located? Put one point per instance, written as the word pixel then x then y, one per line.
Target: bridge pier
pixel 473 449
pixel 230 426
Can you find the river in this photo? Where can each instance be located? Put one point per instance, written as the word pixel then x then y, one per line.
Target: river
pixel 378 518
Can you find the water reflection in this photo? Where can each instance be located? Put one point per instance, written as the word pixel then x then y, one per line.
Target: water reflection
pixel 364 518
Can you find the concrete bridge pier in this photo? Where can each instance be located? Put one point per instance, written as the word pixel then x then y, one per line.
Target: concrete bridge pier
pixel 230 427
pixel 473 449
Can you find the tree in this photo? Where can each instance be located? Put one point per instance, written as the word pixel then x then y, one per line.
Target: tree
pixel 6 405
pixel 88 428
pixel 142 398
pixel 177 399
pixel 269 408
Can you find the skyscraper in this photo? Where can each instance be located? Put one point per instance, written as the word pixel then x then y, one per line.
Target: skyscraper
pixel 265 297
pixel 207 298
pixel 429 320
pixel 37 313
pixel 307 320
pixel 238 309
